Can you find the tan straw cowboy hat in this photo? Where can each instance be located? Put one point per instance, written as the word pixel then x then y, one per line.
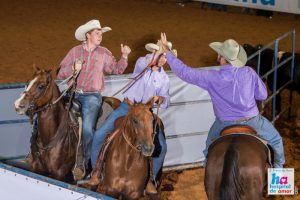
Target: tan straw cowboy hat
pixel 90 25
pixel 156 47
pixel 231 51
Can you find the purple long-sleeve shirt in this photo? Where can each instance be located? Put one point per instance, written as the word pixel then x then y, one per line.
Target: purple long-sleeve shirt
pixel 233 90
pixel 152 83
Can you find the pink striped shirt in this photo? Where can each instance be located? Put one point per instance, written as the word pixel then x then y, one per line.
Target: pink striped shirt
pixel 96 63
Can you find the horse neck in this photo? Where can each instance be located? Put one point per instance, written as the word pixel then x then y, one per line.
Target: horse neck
pixel 49 119
pixel 128 131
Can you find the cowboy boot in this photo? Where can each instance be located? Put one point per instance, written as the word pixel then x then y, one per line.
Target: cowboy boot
pixel 150 188
pixel 94 178
pixel 79 167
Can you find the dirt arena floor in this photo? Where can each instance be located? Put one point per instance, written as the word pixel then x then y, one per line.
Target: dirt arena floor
pixel 42 32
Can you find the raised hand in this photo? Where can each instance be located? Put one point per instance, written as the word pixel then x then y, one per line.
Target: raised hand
pixel 164 42
pixel 125 50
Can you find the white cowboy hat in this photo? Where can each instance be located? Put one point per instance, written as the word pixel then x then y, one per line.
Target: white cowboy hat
pixel 234 53
pixel 90 25
pixel 156 47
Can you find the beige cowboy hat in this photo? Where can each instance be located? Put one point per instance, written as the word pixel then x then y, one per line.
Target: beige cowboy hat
pixel 90 25
pixel 156 47
pixel 234 53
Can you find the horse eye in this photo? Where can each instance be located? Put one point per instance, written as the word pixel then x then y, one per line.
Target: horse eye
pixel 41 87
pixel 135 121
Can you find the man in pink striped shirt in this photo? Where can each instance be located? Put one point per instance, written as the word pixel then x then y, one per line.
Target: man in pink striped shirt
pixel 97 60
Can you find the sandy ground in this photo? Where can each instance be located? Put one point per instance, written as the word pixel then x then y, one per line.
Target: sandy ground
pixel 42 32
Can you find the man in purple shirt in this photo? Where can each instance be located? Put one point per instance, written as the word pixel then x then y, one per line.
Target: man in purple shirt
pixel 97 60
pixel 153 83
pixel 234 89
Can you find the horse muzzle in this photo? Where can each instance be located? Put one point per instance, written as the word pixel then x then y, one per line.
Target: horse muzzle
pixel 147 150
pixel 20 108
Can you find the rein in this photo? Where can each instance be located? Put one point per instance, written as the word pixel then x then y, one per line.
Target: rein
pixel 138 148
pixel 98 170
pixel 156 121
pixel 62 134
pixel 136 78
pixel 31 110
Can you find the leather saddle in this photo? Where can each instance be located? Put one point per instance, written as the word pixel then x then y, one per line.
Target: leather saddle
pixel 234 129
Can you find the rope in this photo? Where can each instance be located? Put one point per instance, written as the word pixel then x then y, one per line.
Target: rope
pixel 136 78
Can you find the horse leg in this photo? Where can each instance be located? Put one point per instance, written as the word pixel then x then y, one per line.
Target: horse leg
pixel 101 189
pixel 36 164
pixel 253 193
pixel 132 196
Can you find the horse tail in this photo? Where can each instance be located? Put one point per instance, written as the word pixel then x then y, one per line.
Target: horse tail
pixel 231 183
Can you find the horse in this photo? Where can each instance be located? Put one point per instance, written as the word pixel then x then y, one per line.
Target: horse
pixel 123 166
pixel 53 148
pixel 236 168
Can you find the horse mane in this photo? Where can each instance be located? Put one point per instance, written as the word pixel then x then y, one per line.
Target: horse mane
pixel 232 187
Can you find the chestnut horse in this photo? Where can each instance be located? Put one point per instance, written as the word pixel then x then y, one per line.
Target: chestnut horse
pixel 236 168
pixel 125 171
pixel 53 148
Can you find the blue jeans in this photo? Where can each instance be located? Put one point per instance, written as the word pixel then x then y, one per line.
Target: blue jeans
pixel 264 129
pixel 90 106
pixel 158 160
pixel 108 126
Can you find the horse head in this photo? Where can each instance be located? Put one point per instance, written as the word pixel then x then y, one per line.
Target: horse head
pixel 141 121
pixel 37 94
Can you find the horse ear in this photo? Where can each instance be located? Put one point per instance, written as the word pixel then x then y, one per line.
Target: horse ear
pixel 36 68
pixel 151 102
pixel 130 103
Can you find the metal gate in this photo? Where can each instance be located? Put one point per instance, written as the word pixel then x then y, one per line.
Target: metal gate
pixel 274 72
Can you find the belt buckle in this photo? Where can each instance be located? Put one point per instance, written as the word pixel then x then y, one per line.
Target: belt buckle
pixel 79 91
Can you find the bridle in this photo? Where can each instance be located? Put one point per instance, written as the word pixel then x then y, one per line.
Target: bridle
pixel 138 148
pixel 34 109
pixel 137 77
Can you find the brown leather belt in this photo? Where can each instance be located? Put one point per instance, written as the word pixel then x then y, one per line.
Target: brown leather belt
pixel 243 119
pixel 80 91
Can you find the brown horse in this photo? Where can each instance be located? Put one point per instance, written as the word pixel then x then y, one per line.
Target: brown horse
pixel 126 170
pixel 53 149
pixel 236 168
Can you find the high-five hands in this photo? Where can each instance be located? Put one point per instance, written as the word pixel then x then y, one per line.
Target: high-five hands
pixel 164 42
